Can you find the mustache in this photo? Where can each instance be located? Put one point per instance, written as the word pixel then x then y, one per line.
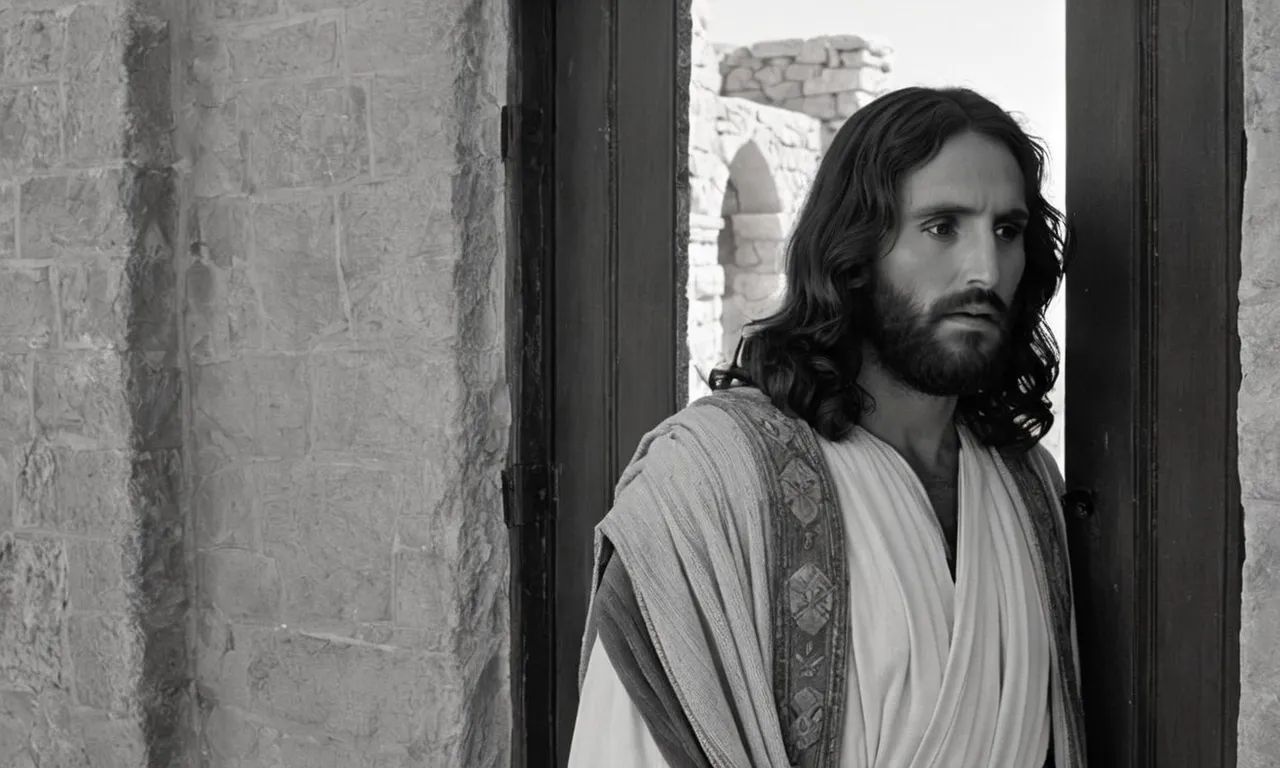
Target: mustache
pixel 975 297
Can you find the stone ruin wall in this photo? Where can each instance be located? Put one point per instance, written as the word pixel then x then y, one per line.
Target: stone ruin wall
pixel 760 118
pixel 828 78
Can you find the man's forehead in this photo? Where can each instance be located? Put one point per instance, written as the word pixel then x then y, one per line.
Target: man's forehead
pixel 964 193
pixel 969 172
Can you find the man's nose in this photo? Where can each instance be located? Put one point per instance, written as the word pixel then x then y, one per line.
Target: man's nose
pixel 982 261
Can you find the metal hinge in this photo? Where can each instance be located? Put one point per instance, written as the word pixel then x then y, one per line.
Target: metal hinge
pixel 529 493
pixel 519 123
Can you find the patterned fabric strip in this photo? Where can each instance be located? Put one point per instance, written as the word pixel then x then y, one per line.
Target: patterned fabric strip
pixel 810 600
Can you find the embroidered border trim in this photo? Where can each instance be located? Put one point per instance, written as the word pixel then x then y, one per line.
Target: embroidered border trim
pixel 810 602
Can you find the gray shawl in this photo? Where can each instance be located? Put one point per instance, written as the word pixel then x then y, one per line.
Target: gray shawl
pixel 721 595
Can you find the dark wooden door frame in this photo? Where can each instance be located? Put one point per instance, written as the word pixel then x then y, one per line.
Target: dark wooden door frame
pixel 1154 180
pixel 1154 185
pixel 596 132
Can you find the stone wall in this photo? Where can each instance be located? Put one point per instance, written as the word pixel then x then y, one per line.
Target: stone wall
pixel 252 399
pixel 1259 403
pixel 759 120
pixel 94 580
pixel 349 407
pixel 828 78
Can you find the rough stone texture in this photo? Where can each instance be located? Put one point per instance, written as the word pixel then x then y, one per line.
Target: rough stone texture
pixel 343 290
pixel 93 663
pixel 252 390
pixel 828 78
pixel 1259 401
pixel 748 161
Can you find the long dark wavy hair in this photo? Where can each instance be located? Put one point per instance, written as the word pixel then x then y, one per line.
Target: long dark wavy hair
pixel 806 356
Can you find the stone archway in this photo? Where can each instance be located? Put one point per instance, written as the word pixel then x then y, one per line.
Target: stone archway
pixel 751 244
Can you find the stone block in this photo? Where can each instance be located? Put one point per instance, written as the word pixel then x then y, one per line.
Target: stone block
pixel 73 215
pixel 223 315
pixel 96 576
pixel 833 81
pixel 92 298
pixel 220 149
pixel 410 129
pixel 861 58
pixel 748 227
pixel 79 398
pixel 27 298
pixel 114 742
pixel 107 654
pixel 331 529
pixel 392 35
pixel 252 406
pixel 703 254
pixel 822 107
pixel 384 402
pixel 783 91
pixel 777 48
pixel 226 510
pixel 849 102
pixel 399 257
pixel 15 399
pixel 813 51
pixel 76 492
pixel 306 134
pixel 94 123
pixel 33 612
pixel 241 585
pixel 8 221
pixel 32 43
pixel 770 75
pixel 706 282
pixel 763 256
pixel 295 273
pixel 755 287
pixel 740 79
pixel 244 10
pixel 309 48
pixel 1259 326
pixel 1259 431
pixel 802 72
pixel 350 687
pixel 846 42
pixel 29 139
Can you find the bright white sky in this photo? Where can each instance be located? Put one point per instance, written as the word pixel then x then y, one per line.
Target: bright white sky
pixel 1012 51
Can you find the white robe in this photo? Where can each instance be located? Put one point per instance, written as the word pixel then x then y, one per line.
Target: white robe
pixel 942 673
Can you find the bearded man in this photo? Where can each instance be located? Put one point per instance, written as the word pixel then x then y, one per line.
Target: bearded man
pixel 853 553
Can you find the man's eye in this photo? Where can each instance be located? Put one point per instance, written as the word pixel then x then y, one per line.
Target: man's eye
pixel 941 229
pixel 1009 232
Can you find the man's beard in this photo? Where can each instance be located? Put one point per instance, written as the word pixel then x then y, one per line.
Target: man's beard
pixel 908 344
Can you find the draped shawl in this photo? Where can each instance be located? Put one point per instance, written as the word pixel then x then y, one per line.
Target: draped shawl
pixel 721 593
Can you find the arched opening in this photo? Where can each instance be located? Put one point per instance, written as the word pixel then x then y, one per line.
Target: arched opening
pixel 751 245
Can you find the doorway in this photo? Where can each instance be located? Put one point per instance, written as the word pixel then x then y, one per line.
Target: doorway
pixel 597 146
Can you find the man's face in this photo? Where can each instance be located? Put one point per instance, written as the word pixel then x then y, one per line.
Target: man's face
pixel 942 294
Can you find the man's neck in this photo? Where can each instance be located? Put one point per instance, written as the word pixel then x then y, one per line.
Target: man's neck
pixel 921 427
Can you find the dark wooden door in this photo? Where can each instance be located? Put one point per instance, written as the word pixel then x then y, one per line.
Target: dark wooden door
pixel 1154 162
pixel 597 141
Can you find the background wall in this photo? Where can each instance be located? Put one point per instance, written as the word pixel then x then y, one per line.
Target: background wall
pixel 1259 404
pixel 252 399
